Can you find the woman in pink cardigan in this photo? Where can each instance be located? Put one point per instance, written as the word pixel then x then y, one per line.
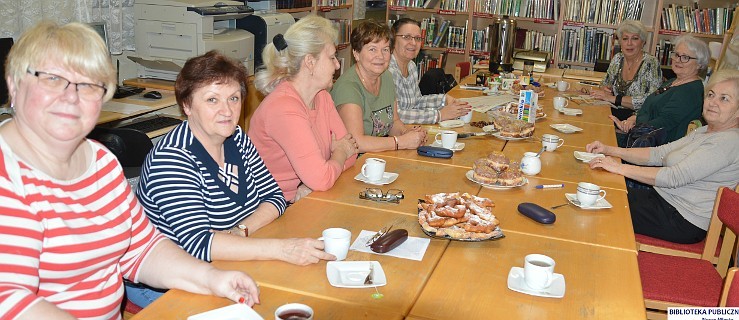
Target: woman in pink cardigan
pixel 296 128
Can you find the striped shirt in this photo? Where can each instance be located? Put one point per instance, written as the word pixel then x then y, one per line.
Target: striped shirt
pixel 69 242
pixel 183 195
pixel 413 107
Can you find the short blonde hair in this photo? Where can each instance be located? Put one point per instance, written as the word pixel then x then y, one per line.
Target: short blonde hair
pixel 308 36
pixel 725 75
pixel 75 45
pixel 633 26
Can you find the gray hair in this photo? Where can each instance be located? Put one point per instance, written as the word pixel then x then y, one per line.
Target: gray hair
pixel 698 47
pixel 308 36
pixel 633 26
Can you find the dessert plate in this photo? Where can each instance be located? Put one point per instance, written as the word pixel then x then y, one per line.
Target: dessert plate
pixel 470 176
pixel 458 146
pixel 237 311
pixel 497 135
pixel 600 204
pixel 456 123
pixel 516 283
pixel 565 127
pixel 587 156
pixel 351 274
pixel 387 178
pixel 570 111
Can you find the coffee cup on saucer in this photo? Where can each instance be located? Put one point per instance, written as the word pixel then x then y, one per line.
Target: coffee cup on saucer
pixel 560 103
pixel 373 169
pixel 551 142
pixel 538 271
pixel 448 138
pixel 588 194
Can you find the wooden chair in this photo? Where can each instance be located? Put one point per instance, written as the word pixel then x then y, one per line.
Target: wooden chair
pixel 673 281
pixel 730 294
pixel 461 71
pixel 694 250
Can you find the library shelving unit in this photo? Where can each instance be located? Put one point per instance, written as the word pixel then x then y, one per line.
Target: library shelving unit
pixel 575 32
pixel 340 12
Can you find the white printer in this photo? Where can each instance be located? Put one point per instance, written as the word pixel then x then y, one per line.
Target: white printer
pixel 265 26
pixel 168 32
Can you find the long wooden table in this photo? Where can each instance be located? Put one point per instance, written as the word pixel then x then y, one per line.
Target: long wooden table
pixel 595 250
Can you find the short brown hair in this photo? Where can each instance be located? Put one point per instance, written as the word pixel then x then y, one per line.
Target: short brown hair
pixel 368 31
pixel 203 70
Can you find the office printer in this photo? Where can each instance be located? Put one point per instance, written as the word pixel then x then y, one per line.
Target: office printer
pixel 168 32
pixel 540 58
pixel 264 26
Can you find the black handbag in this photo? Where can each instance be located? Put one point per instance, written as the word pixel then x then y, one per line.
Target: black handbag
pixel 644 136
pixel 435 81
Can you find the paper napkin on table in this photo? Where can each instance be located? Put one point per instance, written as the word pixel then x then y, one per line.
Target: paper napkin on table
pixel 413 248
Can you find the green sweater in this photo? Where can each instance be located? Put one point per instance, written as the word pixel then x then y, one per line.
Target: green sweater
pixel 673 109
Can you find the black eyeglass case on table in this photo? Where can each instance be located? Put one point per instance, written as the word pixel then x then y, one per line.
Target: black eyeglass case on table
pixel 435 152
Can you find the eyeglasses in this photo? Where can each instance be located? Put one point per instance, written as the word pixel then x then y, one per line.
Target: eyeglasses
pixel 376 194
pixel 408 37
pixel 682 58
pixel 57 84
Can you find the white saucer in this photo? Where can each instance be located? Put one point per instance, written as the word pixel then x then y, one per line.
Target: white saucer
pixel 499 136
pixel 456 123
pixel 458 146
pixel 565 127
pixel 600 204
pixel 351 274
pixel 570 111
pixel 587 156
pixel 237 311
pixel 387 178
pixel 517 283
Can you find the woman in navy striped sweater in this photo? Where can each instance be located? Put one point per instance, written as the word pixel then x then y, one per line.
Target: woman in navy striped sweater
pixel 204 185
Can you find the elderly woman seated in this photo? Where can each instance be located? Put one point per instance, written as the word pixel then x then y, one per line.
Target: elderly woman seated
pixel 687 173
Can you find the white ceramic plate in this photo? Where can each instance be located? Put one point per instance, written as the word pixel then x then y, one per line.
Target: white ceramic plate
pixel 458 146
pixel 565 127
pixel 351 274
pixel 497 135
pixel 470 176
pixel 456 123
pixel 237 311
pixel 600 204
pixel 587 156
pixel 570 111
pixel 387 178
pixel 516 283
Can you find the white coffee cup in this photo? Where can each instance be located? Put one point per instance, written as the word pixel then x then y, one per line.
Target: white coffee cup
pixel 530 164
pixel 538 271
pixel 336 241
pixel 560 103
pixel 448 138
pixel 563 86
pixel 294 310
pixel 494 86
pixel 588 194
pixel 467 117
pixel 373 169
pixel 507 83
pixel 551 142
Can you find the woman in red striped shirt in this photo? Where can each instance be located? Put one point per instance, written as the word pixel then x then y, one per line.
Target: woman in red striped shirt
pixel 70 226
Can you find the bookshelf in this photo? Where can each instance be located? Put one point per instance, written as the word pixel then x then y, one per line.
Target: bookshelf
pixel 576 32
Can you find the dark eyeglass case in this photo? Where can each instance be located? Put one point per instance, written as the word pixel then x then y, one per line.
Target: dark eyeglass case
pixel 435 152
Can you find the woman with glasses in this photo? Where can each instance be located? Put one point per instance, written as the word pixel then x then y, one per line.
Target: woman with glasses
pixel 70 226
pixel 678 101
pixel 632 75
pixel 365 94
pixel 412 106
pixel 296 128
pixel 684 175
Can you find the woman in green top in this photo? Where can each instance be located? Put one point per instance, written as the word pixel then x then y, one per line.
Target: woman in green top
pixel 678 101
pixel 365 94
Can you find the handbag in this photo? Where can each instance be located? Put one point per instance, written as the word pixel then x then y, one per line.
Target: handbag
pixel 644 135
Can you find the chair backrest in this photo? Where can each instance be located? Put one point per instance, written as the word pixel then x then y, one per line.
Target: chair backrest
pixel 728 208
pixel 730 294
pixel 726 204
pixel 462 71
pixel 128 145
pixel 435 81
pixel 601 65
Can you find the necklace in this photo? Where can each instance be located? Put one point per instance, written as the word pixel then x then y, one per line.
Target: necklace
pixel 630 66
pixel 376 87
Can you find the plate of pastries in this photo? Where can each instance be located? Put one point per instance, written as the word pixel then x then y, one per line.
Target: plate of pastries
pixel 510 128
pixel 516 88
pixel 458 216
pixel 496 171
pixel 512 108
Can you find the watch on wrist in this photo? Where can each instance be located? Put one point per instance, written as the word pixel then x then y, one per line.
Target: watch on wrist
pixel 244 228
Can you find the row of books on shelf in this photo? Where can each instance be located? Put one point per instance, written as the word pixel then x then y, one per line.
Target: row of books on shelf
pixel 331 3
pixel 453 5
pixel 541 9
pixel 610 12
pixel 434 30
pixel 535 40
pixel 293 4
pixel 426 62
pixel 664 51
pixel 344 26
pixel 480 40
pixel 692 19
pixel 456 37
pixel 586 44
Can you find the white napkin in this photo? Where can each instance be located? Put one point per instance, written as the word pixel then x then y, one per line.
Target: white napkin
pixel 413 249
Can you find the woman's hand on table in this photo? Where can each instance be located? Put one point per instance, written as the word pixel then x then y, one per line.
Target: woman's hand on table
pixel 412 138
pixel 625 125
pixel 596 147
pixel 606 163
pixel 347 144
pixel 603 93
pixel 454 110
pixel 234 285
pixel 303 251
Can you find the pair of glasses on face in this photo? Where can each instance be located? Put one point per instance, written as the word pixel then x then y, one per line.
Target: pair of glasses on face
pixel 682 58
pixel 57 84
pixel 408 37
pixel 376 194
